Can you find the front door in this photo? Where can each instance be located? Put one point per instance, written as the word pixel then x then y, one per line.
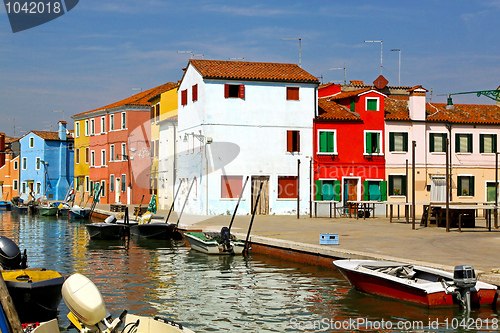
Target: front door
pixel 118 189
pixel 490 191
pixel 263 204
pixel 438 188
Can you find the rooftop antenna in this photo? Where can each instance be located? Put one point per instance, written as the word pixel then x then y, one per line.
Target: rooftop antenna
pixel 137 89
pixel 381 48
pixel 345 81
pixel 240 58
pixel 60 111
pixel 300 48
pixel 399 50
pixel 190 52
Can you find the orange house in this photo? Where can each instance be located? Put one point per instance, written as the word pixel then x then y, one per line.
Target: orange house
pixel 9 171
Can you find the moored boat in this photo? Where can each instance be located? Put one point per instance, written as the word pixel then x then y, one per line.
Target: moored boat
pixel 78 212
pixel 110 229
pixel 155 230
pixel 47 210
pixel 5 205
pixel 215 242
pixel 418 284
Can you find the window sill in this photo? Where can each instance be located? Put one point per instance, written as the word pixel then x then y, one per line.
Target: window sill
pixel 327 153
pixel 286 199
pixel 374 154
pixel 463 153
pixel 438 152
pixel 231 199
pixel 397 196
pixel 399 152
pixel 466 196
pixel 488 154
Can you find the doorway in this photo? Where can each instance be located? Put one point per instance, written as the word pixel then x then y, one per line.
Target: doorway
pixel 490 191
pixel 438 188
pixel 263 204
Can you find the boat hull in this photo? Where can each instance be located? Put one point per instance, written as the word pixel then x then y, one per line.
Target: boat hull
pixel 154 230
pixel 155 325
pixel 5 205
pixel 37 300
pixel 212 246
pixel 106 231
pixel 47 211
pixel 83 213
pixel 430 295
pixel 20 209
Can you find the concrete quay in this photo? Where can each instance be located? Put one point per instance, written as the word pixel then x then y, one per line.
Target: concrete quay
pixel 374 238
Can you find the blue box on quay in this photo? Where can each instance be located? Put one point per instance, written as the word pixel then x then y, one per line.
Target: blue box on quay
pixel 329 239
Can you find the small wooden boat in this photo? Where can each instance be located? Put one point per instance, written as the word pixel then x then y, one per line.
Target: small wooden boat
pixel 19 209
pixel 110 229
pixel 155 230
pixel 417 284
pixel 215 242
pixel 47 210
pixel 5 205
pixel 36 293
pixel 78 212
pixel 89 314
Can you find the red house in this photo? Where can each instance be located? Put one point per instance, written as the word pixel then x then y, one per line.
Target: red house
pixel 349 162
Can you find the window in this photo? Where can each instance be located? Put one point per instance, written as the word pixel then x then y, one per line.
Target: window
pixel 103 124
pixel 157 111
pixel 25 163
pixel 487 143
pixel 15 184
pixel 234 91
pixel 24 187
pixel 87 183
pixel 465 186
pixel 374 190
pixel 397 185
pixel 152 114
pixel 288 187
pixel 231 187
pixel 87 127
pixel 38 188
pixel 352 105
pixel 398 141
pixel 111 122
pixel 103 188
pixel 437 142
pixel 157 148
pixel 124 184
pixel 124 151
pixel 184 97
pixel 77 129
pixel 77 156
pixel 103 157
pixel 37 163
pixel 372 104
pixel 292 93
pixel 71 145
pixel 32 142
pixel 92 158
pixel 111 153
pixel 292 141
pixel 194 93
pixel 372 142
pixel 92 126
pixel 463 143
pixel 327 190
pixel 152 148
pixel 124 124
pixel 87 149
pixel 16 165
pixel 327 140
pixel 111 183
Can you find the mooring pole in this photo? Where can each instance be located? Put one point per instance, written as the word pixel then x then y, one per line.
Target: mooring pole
pixel 496 190
pixel 8 307
pixel 238 204
pixel 173 201
pixel 185 201
pixel 414 146
pixel 447 186
pixel 298 189
pixel 245 250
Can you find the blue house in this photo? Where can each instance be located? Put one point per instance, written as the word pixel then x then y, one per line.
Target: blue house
pixel 46 164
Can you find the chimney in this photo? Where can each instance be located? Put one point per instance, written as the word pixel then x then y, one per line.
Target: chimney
pixel 2 149
pixel 416 103
pixel 62 130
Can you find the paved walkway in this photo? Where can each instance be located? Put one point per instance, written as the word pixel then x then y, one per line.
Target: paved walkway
pixel 371 238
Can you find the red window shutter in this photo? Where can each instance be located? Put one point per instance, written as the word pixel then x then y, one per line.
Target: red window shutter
pixel 241 91
pixel 184 97
pixel 152 113
pixel 231 186
pixel 289 141
pixel 297 138
pixel 226 90
pixel 287 187
pixel 195 93
pixel 292 93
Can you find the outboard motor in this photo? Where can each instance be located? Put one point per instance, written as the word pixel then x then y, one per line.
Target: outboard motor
pixel 465 279
pixel 226 239
pixel 10 255
pixel 110 219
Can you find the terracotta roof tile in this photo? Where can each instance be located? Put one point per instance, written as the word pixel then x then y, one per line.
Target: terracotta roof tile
pixel 330 110
pixel 347 94
pixel 54 136
pixel 140 99
pixel 252 71
pixel 396 108
pixel 356 83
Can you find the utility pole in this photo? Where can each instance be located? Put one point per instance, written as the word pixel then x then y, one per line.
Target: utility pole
pixel 300 48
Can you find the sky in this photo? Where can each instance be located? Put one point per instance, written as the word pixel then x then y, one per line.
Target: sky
pixel 103 51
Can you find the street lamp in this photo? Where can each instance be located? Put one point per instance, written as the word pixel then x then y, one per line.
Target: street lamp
pixel 399 50
pixel 300 48
pixel 381 47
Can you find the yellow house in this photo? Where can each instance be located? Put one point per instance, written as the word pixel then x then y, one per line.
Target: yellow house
pixel 163 106
pixel 82 157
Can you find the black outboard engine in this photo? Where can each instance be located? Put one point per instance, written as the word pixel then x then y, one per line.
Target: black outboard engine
pixel 226 239
pixel 10 255
pixel 465 279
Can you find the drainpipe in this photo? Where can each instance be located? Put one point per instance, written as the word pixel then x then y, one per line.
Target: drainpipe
pixel 448 126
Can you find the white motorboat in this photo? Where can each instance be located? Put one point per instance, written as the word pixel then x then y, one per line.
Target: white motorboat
pixel 215 242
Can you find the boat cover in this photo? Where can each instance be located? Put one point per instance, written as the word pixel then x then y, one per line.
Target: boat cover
pixel 391 268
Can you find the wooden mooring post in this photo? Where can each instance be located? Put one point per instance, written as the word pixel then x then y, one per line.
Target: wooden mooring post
pixel 9 309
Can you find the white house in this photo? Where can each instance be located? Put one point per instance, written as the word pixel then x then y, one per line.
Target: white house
pixel 239 120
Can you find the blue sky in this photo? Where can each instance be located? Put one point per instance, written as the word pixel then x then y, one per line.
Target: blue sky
pixel 104 50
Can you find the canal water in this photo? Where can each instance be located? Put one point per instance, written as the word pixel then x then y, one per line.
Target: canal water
pixel 214 294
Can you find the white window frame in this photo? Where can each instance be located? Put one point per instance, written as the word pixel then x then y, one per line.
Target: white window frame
pixel 87 183
pixel 103 189
pixel 15 185
pixel 87 127
pixel 482 135
pixel 429 143
pixel 111 122
pixel 77 129
pixel 124 151
pixel 111 183
pixel 123 183
pixel 24 186
pixel 38 188
pixel 381 143
pixel 38 163
pixel 103 157
pixel 16 165
pixel 472 143
pixel 123 120
pixel 112 153
pixel 335 152
pixel 92 158
pixel 31 142
pixel 24 165
pixel 378 104
pixel 92 127
pixel 103 125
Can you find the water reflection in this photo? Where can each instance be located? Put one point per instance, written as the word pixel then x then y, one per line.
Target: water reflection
pixel 210 293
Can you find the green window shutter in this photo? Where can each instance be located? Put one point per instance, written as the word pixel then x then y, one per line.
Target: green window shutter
pixel 469 143
pixel 371 104
pixel 431 142
pixel 481 143
pixel 330 142
pixel 353 105
pixel 405 142
pixel 444 142
pixel 323 142
pixel 459 185
pixel 383 190
pixel 317 191
pixel 471 185
pixel 377 135
pixel 391 185
pixel 337 189
pixel 403 185
pixel 494 143
pixel 391 141
pixel 366 194
pixel 457 143
pixel 368 142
